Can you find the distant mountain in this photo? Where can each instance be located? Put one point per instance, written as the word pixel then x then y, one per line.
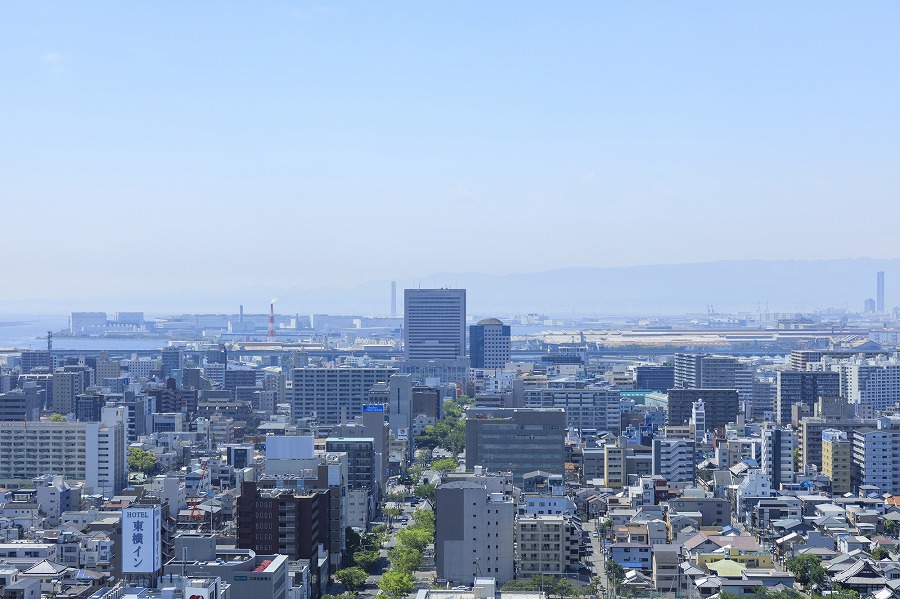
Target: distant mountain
pixel 729 286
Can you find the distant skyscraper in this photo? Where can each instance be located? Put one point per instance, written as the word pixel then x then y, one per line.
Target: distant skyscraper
pixel 489 344
pixel 879 293
pixel 393 299
pixel 434 324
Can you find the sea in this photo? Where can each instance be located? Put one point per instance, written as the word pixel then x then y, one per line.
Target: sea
pixel 29 331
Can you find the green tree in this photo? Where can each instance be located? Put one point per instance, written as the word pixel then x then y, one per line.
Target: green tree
pixel 396 584
pixel 444 465
pixel 141 461
pixel 367 560
pixel 417 538
pixel 405 558
pixel 425 491
pixel 58 418
pixel 890 528
pixel 808 570
pixel 615 573
pixel 880 553
pixel 352 578
pixel 424 519
pixel 354 540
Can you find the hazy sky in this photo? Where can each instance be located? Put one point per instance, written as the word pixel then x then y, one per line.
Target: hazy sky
pixel 181 145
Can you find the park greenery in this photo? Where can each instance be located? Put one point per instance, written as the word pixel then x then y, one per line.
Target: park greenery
pixel 141 461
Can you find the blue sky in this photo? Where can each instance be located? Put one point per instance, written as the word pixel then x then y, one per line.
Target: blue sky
pixel 196 144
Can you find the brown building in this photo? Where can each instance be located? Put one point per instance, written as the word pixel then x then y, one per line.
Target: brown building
pixel 282 521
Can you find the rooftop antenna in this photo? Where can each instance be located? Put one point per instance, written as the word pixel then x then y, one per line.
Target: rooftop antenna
pixel 271 334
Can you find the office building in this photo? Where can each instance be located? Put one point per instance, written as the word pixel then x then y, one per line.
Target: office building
pixel 595 408
pixel 489 344
pixel 654 377
pixel 171 359
pixel 93 452
pixel 362 465
pixel 474 535
pixel 673 459
pixel 89 407
pixel 333 395
pixel 516 439
pixel 35 358
pixel 721 406
pixel 19 405
pixel 547 544
pixel 702 371
pixel 434 324
pixel 796 387
pixel 837 459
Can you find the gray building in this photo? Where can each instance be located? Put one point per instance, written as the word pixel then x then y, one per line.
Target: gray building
pixel 434 324
pixel 489 344
pixel 721 406
pixel 803 387
pixel 473 533
pixel 595 408
pixel 517 439
pixel 326 393
pixel 673 459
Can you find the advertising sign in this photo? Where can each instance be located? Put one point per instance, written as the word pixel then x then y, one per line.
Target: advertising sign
pixel 403 434
pixel 141 540
pixel 373 407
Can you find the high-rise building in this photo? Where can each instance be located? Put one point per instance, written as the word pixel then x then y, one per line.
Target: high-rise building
pixel 721 406
pixel 35 358
pixel 66 387
pixel 434 324
pixel 837 458
pixel 489 344
pixel 93 452
pixel 655 377
pixel 871 384
pixel 473 533
pixel 874 461
pixel 280 521
pixel 673 459
pixel 777 449
pixel 879 292
pixel 327 393
pixel 698 421
pixel 793 387
pixel 516 439
pixel 171 359
pixel 596 408
pixel 21 404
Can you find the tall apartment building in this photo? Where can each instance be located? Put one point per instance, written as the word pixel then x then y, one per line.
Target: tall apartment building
pixel 874 457
pixel 546 544
pixel 702 371
pixel 810 430
pixel 516 439
pixel 362 467
pixel 837 459
pixel 721 406
pixel 489 344
pixel 326 393
pixel 762 401
pixel 434 324
pixel 673 459
pixel 872 384
pixel 93 452
pixel 66 387
pixel 777 448
pixel 473 533
pixel 171 359
pixel 597 408
pixel 291 523
pixel 806 387
pixel 615 468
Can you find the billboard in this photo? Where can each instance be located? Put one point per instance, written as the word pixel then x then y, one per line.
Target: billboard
pixel 373 407
pixel 403 434
pixel 141 540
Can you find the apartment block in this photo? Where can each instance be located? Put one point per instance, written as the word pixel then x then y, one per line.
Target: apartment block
pixel 327 393
pixel 546 544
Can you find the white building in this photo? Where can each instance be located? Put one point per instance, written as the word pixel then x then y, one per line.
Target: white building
pixel 673 459
pixel 874 461
pixel 93 452
pixel 777 449
pixel 873 384
pixel 596 408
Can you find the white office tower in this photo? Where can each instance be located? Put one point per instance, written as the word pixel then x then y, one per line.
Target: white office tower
pixel 434 324
pixel 698 421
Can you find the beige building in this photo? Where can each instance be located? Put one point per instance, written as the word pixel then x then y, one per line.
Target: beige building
pixel 837 457
pixel 546 544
